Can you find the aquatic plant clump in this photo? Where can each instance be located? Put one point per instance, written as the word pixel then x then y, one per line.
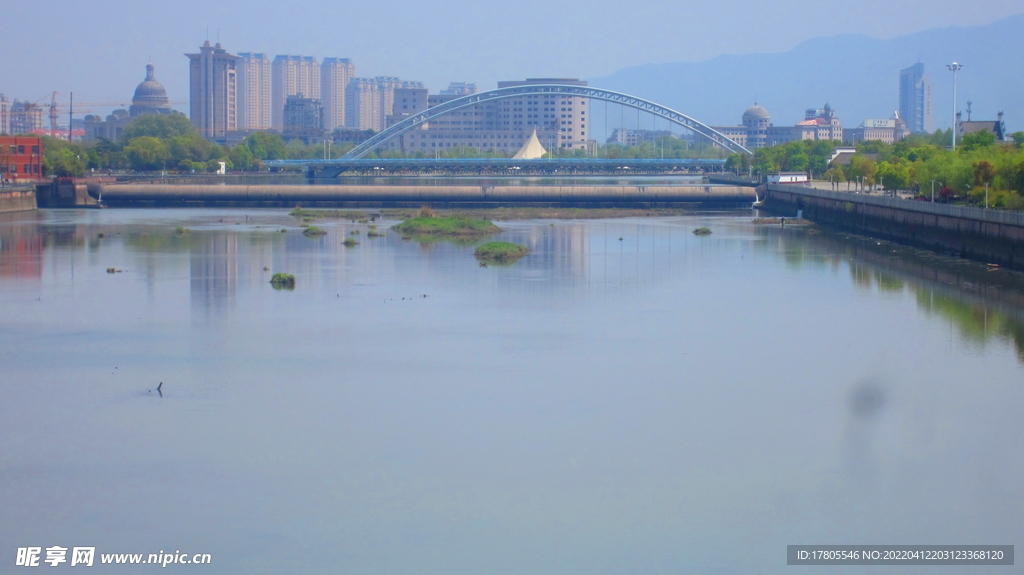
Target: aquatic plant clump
pixel 313 231
pixel 458 225
pixel 282 281
pixel 702 232
pixel 349 242
pixel 181 231
pixel 500 252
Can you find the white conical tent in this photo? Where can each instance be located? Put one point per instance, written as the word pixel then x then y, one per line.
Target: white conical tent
pixel 531 150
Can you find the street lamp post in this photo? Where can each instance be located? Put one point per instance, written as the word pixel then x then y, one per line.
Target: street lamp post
pixel 954 68
pixel 933 191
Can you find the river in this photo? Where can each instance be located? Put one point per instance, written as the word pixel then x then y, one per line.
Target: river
pixel 628 398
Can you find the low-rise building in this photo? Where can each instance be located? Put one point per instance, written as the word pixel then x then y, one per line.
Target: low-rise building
pixel 788 178
pixel 21 158
pixel 889 131
pixel 997 128
pixel 757 131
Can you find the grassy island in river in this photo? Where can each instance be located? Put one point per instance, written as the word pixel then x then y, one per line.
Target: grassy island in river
pixel 456 225
pixel 500 252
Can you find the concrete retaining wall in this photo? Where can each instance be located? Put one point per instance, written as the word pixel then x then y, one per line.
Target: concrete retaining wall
pixel 285 195
pixel 17 200
pixel 988 235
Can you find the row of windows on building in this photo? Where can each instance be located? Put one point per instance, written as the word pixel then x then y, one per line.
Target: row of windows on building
pixel 13 168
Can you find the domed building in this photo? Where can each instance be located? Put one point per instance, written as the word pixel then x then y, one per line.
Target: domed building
pixel 757 121
pixel 150 97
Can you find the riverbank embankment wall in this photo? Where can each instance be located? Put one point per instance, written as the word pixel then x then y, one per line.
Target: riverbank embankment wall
pixel 17 200
pixel 992 236
pixel 417 195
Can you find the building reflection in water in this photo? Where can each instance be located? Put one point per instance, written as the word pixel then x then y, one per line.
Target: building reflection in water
pixel 21 252
pixel 214 268
pixel 982 303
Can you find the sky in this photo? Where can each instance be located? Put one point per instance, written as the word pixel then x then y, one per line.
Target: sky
pixel 99 49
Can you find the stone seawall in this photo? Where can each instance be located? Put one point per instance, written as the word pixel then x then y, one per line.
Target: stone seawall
pixel 17 200
pixel 415 195
pixel 991 236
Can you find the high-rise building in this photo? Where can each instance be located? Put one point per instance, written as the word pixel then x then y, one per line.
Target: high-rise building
pixel 5 115
pixel 916 99
pixel 26 117
pixel 369 102
pixel 503 125
pixel 291 75
pixel 253 91
pixel 459 89
pixel 303 114
pixel 213 91
pixel 335 74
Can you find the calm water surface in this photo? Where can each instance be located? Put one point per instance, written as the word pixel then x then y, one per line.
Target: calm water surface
pixel 629 398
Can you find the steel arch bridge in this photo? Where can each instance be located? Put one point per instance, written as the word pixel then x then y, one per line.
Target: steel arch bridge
pixel 450 106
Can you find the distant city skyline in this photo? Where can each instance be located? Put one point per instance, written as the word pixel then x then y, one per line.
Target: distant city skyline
pixel 484 46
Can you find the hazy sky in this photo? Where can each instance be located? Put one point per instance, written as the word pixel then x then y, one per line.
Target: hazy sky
pixel 99 49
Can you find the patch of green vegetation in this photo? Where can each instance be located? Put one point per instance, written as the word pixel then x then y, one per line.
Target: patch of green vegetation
pixel 374 234
pixel 181 231
pixel 313 231
pixel 284 231
pixel 500 252
pixel 349 243
pixel 456 225
pixel 354 233
pixel 702 232
pixel 113 271
pixel 283 281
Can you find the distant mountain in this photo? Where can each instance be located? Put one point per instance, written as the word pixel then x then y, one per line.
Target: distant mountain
pixel 856 74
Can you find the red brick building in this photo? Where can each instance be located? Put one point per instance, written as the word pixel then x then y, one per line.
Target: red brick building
pixel 21 158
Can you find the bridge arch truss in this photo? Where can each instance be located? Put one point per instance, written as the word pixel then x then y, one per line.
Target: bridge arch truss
pixel 420 118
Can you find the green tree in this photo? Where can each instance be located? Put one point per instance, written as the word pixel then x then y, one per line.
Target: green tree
pixel 147 153
pixel 975 140
pixel 64 163
pixel 161 126
pixel 984 172
pixel 893 176
pixel 266 146
pixel 862 169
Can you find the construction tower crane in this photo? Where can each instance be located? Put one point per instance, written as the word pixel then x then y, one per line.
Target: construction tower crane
pixel 72 106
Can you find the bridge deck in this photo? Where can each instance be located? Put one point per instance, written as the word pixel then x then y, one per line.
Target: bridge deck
pixel 331 168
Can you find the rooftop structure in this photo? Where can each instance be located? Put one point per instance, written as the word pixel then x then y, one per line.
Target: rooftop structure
pixel 150 97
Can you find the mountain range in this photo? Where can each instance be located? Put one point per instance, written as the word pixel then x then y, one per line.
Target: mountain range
pixel 856 74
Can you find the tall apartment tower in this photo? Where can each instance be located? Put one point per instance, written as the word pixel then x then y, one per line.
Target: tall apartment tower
pixel 5 115
pixel 253 91
pixel 291 76
pixel 212 91
pixel 335 74
pixel 368 102
pixel 916 99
